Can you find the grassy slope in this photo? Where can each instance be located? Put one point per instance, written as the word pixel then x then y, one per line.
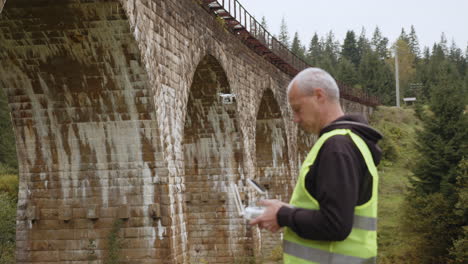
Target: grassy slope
pixel 399 127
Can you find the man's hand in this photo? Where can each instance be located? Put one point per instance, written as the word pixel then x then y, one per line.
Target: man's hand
pixel 268 219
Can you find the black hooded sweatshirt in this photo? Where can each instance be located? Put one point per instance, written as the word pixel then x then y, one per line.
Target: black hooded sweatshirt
pixel 339 180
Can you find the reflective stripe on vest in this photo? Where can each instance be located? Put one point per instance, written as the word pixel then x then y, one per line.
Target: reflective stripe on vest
pixel 321 256
pixel 361 244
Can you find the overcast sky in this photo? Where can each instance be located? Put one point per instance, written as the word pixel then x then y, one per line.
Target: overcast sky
pixel 429 17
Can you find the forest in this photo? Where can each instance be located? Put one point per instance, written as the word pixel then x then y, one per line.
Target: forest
pixel 369 64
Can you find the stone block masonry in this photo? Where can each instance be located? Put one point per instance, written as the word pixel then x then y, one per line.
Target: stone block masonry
pixel 118 119
pixel 86 130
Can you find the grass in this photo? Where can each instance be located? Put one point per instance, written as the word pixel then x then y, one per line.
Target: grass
pixel 8 198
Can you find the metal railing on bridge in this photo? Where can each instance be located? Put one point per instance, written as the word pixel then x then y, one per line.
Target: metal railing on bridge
pixel 255 36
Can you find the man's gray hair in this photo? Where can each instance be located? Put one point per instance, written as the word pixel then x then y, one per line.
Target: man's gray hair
pixel 311 78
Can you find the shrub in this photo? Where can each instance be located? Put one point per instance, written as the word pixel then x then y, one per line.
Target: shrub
pixel 7 228
pixel 459 251
pixel 429 224
pixel 9 185
pixel 388 144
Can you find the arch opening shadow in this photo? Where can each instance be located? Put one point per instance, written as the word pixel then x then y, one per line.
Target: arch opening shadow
pixel 212 159
pixel 273 169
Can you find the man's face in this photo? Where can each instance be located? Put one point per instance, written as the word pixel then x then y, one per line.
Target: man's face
pixel 305 109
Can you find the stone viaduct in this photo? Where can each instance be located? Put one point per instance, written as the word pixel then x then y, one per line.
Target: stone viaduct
pixel 126 149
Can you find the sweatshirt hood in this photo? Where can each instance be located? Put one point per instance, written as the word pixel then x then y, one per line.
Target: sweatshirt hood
pixel 359 125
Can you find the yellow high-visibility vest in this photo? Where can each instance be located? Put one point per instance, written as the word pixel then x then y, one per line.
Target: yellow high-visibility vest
pixel 361 244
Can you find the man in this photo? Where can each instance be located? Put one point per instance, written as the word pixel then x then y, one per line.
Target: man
pixel 332 215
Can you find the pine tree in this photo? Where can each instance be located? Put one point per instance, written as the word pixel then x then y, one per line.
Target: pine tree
pixel 330 53
pixel 346 72
pixel 438 54
pixel 423 75
pixel 444 141
pixel 431 213
pixel 456 56
pixel 284 35
pixel 315 51
pixel 443 43
pixel 414 43
pixel 296 46
pixel 458 252
pixel 261 31
pixel 404 36
pixel 376 77
pixel 303 52
pixel 363 45
pixel 379 44
pixel 349 49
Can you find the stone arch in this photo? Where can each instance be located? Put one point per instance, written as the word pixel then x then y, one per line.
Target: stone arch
pixel 211 49
pixel 269 85
pixel 272 159
pixel 213 158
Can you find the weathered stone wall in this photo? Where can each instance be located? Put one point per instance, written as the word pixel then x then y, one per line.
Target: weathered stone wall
pixel 86 131
pixel 351 107
pixel 120 130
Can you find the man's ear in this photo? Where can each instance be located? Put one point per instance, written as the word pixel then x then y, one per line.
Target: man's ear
pixel 321 95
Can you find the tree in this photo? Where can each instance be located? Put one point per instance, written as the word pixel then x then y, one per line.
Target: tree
pixel 413 43
pixel 260 32
pixel 432 201
pixel 445 136
pixel 349 49
pixel 443 43
pixel 296 46
pixel 423 75
pixel 379 44
pixel 376 77
pixel 346 72
pixel 458 251
pixel 284 35
pixel 363 45
pixel 456 56
pixel 404 36
pixel 330 52
pixel 315 50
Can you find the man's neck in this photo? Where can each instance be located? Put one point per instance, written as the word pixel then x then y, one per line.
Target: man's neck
pixel 331 114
